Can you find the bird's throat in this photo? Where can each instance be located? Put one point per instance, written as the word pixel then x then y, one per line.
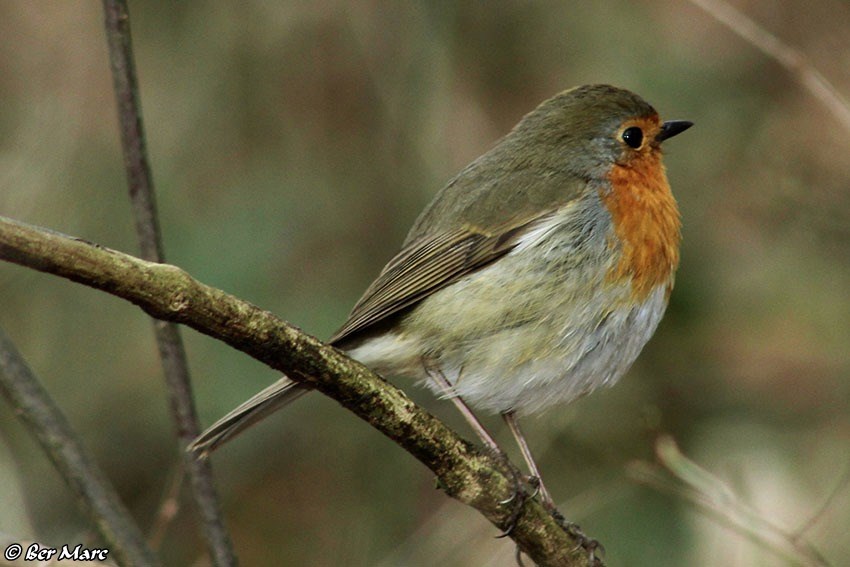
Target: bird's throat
pixel 646 223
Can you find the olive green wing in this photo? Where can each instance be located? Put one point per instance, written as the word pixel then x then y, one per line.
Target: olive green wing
pixel 479 216
pixel 429 264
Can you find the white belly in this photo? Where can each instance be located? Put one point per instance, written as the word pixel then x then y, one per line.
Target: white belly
pixel 540 326
pixel 493 373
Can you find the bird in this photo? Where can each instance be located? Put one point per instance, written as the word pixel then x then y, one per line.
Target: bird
pixel 535 276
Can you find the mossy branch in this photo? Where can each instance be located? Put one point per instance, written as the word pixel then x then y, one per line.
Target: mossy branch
pixel 473 477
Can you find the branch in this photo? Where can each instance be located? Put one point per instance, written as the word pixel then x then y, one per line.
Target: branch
pixel 171 350
pixel 139 177
pixel 76 466
pixel 693 483
pixel 477 479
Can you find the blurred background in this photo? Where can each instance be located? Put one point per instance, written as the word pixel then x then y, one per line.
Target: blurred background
pixel 294 143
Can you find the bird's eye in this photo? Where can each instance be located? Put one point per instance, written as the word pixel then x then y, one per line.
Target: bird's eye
pixel 633 137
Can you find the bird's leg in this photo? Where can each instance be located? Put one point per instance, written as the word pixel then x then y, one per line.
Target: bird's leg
pixel 448 390
pixel 592 546
pixel 511 419
pixel 519 496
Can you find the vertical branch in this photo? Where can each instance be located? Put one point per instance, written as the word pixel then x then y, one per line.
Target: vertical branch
pixel 171 350
pixel 70 458
pixel 136 164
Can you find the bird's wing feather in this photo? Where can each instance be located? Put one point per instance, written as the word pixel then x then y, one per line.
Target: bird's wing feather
pixel 431 263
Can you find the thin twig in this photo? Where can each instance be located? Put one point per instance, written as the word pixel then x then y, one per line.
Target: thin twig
pixel 171 350
pixel 91 487
pixel 702 488
pixel 828 502
pixel 168 508
pixel 476 478
pixel 793 60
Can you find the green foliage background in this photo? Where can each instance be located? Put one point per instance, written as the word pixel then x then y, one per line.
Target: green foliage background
pixel 294 143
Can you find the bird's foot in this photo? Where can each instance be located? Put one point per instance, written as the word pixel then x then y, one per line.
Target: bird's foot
pixel 594 549
pixel 517 498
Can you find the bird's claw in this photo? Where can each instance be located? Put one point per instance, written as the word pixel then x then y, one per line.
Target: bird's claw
pixel 525 488
pixel 511 522
pixel 534 483
pixel 516 500
pixel 593 548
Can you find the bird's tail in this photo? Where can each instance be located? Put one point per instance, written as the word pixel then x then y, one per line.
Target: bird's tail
pixel 259 406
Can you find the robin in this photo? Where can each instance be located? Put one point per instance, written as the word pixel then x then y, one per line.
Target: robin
pixel 536 275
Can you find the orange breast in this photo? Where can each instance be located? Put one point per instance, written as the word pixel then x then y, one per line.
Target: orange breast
pixel 646 222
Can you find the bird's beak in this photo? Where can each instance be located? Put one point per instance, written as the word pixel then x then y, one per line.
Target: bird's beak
pixel 671 128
